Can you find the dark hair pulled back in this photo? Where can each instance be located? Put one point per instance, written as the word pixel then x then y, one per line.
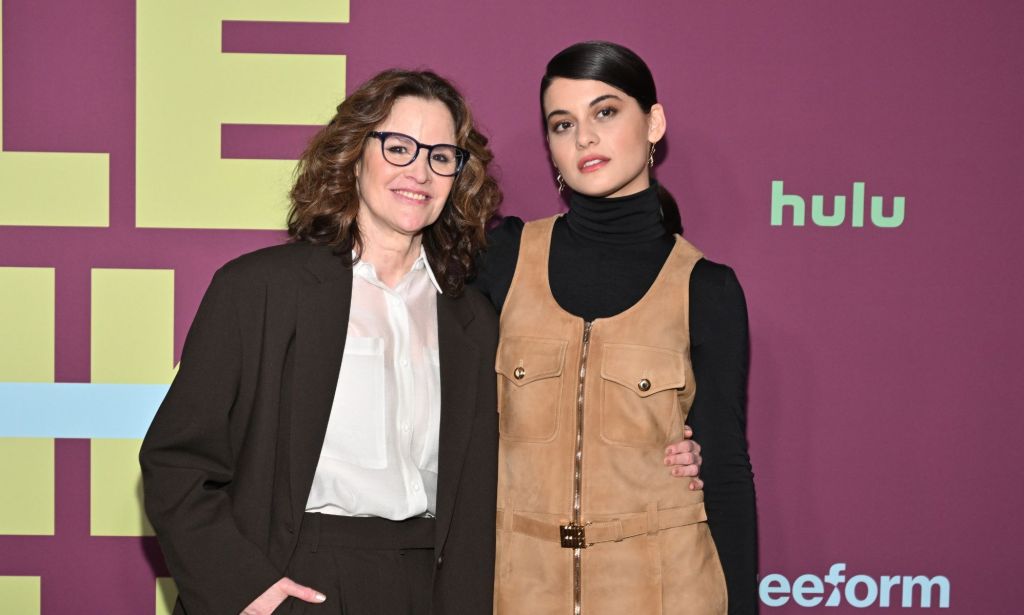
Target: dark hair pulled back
pixel 620 68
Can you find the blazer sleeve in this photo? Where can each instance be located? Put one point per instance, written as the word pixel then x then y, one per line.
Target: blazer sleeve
pixel 188 466
pixel 720 354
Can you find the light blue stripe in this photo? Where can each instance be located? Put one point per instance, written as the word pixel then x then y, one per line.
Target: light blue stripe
pixel 65 410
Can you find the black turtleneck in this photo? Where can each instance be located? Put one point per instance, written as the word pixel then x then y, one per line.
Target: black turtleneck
pixel 619 220
pixel 605 254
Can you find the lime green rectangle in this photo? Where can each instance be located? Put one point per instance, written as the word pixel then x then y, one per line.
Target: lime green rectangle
pixel 27 324
pixel 166 594
pixel 26 473
pixel 115 487
pixel 187 88
pixel 21 595
pixel 295 10
pixel 54 189
pixel 132 326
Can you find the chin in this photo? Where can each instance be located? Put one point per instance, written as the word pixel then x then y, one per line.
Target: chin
pixel 596 189
pixel 415 226
pixel 600 184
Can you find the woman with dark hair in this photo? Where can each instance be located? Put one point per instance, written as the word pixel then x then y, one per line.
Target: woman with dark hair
pixel 331 435
pixel 614 332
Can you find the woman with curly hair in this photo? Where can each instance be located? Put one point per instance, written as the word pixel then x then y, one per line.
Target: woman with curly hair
pixel 331 435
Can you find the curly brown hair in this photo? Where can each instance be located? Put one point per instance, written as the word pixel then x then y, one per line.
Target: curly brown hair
pixel 324 200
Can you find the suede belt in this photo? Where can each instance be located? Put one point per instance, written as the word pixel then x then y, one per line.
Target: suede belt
pixel 628 525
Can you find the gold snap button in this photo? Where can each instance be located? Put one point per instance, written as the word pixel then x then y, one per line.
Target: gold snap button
pixel 644 384
pixel 519 373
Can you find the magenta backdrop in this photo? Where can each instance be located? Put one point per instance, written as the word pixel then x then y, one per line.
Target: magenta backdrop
pixel 884 402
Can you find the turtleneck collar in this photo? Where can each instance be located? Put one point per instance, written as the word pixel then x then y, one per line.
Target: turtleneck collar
pixel 622 220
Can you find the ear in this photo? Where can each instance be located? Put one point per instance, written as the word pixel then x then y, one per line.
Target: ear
pixel 656 125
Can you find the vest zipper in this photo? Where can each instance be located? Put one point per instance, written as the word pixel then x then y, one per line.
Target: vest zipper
pixel 577 519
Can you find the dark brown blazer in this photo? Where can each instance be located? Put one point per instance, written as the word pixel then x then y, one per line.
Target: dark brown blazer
pixel 229 459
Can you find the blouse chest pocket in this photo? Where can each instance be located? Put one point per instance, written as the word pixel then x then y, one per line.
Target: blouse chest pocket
pixel 640 383
pixel 356 430
pixel 529 387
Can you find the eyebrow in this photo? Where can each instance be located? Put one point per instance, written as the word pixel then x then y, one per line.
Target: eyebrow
pixel 596 101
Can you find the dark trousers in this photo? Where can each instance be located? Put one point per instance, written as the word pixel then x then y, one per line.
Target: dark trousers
pixel 364 565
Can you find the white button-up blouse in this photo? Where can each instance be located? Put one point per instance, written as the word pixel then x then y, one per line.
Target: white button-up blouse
pixel 379 456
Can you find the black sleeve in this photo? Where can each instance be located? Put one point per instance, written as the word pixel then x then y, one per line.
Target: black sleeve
pixel 188 465
pixel 720 354
pixel 496 265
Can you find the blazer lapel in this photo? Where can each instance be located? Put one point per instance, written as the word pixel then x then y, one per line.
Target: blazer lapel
pixel 321 327
pixel 459 366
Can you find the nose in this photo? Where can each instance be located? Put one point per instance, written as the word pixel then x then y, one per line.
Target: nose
pixel 586 135
pixel 419 171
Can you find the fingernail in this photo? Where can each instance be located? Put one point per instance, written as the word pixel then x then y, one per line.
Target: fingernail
pixel 320 597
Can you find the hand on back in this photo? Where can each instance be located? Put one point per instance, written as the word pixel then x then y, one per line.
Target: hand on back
pixel 683 458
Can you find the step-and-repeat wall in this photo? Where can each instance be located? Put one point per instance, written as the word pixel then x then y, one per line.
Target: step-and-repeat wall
pixel 858 163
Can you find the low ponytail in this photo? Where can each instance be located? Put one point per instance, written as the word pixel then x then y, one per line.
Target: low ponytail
pixel 669 211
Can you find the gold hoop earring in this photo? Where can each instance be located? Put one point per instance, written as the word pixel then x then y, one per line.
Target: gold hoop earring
pixel 561 183
pixel 650 157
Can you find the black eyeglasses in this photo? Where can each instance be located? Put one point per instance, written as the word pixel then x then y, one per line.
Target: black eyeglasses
pixel 402 150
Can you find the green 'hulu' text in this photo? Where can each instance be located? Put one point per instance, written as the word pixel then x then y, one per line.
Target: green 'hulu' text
pixel 781 200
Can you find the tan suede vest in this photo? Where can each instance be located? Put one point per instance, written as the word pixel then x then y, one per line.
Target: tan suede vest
pixel 589 520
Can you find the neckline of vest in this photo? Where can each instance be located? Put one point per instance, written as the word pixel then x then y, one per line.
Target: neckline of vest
pixel 545 278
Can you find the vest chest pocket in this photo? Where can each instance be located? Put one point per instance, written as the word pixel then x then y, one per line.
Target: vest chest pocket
pixel 529 387
pixel 639 393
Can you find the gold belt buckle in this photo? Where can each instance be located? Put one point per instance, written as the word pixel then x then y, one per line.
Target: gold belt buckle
pixel 573 536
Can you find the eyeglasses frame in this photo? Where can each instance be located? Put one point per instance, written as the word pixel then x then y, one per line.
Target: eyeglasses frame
pixel 462 155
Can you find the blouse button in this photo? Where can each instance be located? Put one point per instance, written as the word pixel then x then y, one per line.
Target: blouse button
pixel 519 373
pixel 644 384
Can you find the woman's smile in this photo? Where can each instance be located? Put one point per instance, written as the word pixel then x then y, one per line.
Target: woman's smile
pixel 589 164
pixel 417 197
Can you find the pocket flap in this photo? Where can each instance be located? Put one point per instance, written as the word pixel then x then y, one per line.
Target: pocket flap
pixel 522 360
pixel 645 370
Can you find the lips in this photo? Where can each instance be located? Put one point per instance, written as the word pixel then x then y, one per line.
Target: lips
pixel 412 196
pixel 590 164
